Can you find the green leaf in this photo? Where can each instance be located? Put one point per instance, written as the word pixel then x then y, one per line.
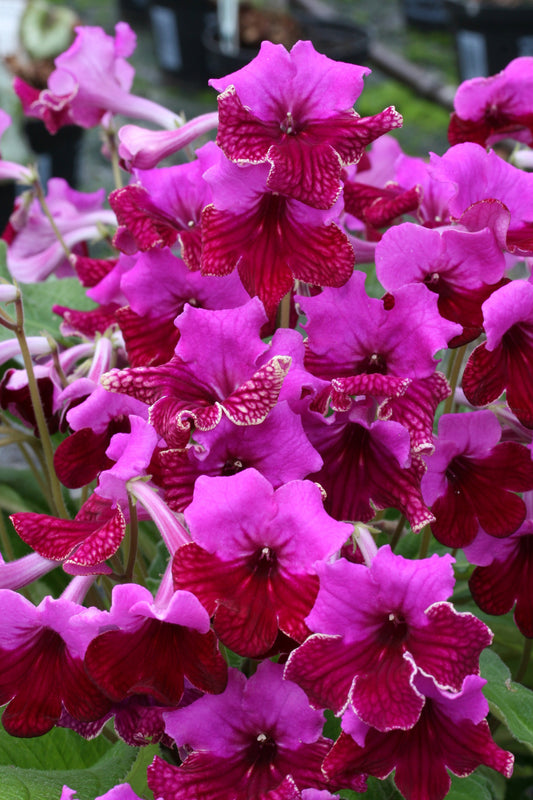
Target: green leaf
pixel 32 769
pixel 483 784
pixel 137 776
pixel 332 725
pixel 12 502
pixel 510 702
pixel 377 790
pixel 38 299
pixel 22 483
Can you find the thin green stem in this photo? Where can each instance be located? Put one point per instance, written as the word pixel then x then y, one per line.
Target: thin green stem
pixel 94 598
pixel 454 370
pixel 284 311
pixel 395 538
pixel 118 568
pixel 109 734
pixel 111 140
pixel 57 364
pixel 425 539
pixel 524 661
pixel 46 211
pixel 40 419
pixel 84 495
pixel 7 549
pixel 134 538
pixel 43 486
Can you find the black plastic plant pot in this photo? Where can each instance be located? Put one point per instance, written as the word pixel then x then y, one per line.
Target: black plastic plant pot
pixel 177 28
pixel 59 154
pixel 426 13
pixel 488 37
pixel 134 11
pixel 339 40
pixel 7 201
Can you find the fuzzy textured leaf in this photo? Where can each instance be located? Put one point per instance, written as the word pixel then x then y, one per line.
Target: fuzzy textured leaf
pixel 38 299
pixel 483 784
pixel 377 790
pixel 40 767
pixel 509 701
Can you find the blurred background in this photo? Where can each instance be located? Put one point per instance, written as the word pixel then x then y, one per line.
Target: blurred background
pixel 418 51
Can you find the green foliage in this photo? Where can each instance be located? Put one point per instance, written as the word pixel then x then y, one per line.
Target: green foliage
pixel 510 702
pixel 483 784
pixel 137 776
pixel 377 790
pixel 38 299
pixel 37 769
pixel 424 123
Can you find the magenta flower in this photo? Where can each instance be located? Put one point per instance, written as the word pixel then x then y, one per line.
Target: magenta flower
pixel 350 333
pixel 149 647
pixel 252 560
pixel 22 571
pixel 503 576
pixel 499 201
pixel 95 419
pixel 15 396
pixel 42 650
pixel 450 734
pixel 461 267
pixel 9 170
pixel 121 792
pixel 165 204
pixel 144 149
pixel 238 376
pixel 130 452
pixel 157 289
pixel 91 78
pixel 35 252
pixel 494 108
pixel 372 195
pixel 415 409
pixel 505 361
pixel 278 448
pixel 295 110
pixel 244 743
pixel 367 465
pixel 472 479
pixel 271 239
pixel 375 629
pixel 82 544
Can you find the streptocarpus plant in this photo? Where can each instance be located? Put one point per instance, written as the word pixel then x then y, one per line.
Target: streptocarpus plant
pixel 249 460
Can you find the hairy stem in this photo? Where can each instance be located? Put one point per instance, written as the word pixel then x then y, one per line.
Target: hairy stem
pixel 40 419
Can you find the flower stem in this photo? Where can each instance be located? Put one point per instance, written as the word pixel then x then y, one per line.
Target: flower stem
pixel 134 538
pixel 7 549
pixel 425 539
pixel 111 141
pixel 395 538
pixel 284 311
pixel 453 375
pixel 40 419
pixel 45 489
pixel 46 211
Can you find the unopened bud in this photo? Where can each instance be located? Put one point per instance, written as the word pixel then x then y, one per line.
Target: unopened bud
pixel 8 293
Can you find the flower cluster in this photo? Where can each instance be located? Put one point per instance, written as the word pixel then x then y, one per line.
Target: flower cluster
pixel 256 428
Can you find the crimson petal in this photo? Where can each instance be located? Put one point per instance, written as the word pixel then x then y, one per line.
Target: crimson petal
pixel 151 660
pixel 448 647
pixel 496 587
pixel 149 340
